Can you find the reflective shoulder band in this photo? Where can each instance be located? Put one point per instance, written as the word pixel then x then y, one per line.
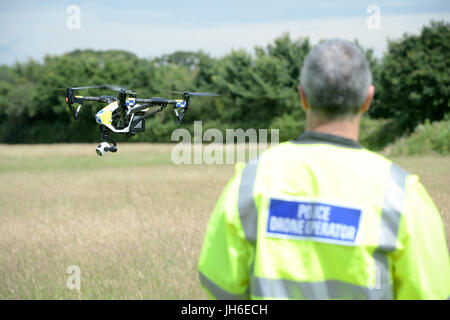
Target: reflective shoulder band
pixel 392 208
pixel 314 290
pixel 218 292
pixel 246 204
pixel 390 220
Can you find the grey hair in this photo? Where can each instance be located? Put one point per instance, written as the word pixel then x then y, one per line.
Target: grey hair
pixel 335 78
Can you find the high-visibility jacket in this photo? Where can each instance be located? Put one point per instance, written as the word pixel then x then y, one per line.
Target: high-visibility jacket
pixel 321 217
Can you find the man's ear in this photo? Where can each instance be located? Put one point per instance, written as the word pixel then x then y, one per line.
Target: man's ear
pixel 366 105
pixel 303 98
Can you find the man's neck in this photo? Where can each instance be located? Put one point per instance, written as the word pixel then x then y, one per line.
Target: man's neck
pixel 345 128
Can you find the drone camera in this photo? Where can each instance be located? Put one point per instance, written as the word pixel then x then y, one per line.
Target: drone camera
pixel 104 147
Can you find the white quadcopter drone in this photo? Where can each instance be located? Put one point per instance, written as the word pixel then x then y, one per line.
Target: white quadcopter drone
pixel 126 114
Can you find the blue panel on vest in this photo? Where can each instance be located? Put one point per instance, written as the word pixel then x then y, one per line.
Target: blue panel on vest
pixel 314 221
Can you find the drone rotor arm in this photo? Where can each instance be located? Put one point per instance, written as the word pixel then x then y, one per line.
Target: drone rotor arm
pixel 71 99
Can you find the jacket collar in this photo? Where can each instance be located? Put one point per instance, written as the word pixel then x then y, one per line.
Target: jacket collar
pixel 313 137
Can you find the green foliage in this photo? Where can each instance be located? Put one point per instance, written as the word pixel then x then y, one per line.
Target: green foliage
pixel 427 138
pixel 289 127
pixel 263 87
pixel 258 90
pixel 414 77
pixel 375 134
pixel 370 132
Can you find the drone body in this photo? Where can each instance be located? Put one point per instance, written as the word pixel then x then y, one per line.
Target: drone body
pixel 126 114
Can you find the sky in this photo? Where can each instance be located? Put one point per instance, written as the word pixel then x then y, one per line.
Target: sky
pixel 33 29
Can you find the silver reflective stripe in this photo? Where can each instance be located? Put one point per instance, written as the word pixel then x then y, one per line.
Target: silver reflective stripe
pixel 246 204
pixel 390 220
pixel 329 289
pixel 218 292
pixel 382 273
pixel 392 208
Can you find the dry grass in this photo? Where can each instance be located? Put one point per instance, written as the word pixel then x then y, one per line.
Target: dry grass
pixel 134 232
pixel 133 222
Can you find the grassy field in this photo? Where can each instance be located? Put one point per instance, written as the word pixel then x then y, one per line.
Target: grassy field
pixel 133 222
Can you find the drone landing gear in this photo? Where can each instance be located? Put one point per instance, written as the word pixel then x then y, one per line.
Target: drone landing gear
pixel 107 145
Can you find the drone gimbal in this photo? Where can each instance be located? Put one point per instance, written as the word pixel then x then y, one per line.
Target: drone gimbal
pixel 107 145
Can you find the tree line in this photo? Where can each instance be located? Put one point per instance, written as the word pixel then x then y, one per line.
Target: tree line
pixel 258 89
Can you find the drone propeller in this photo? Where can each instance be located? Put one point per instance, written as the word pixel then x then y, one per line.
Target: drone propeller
pixel 82 88
pixel 204 94
pixel 129 91
pixel 90 87
pixel 117 88
pixel 108 86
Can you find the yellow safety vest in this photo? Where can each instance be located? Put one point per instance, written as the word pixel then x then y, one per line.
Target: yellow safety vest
pixel 320 217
